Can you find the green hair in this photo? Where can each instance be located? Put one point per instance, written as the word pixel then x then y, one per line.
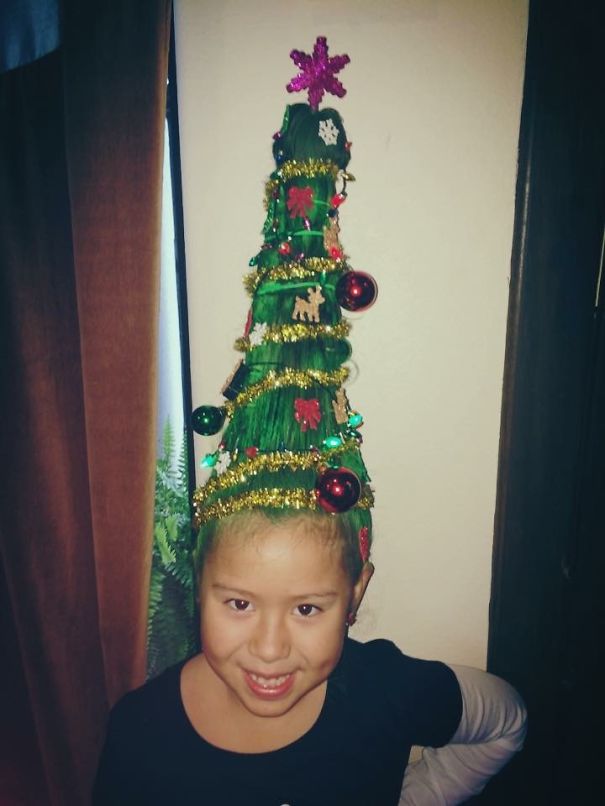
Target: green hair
pixel 298 140
pixel 294 360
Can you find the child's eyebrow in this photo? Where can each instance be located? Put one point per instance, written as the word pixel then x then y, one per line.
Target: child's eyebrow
pixel 230 589
pixel 297 596
pixel 326 595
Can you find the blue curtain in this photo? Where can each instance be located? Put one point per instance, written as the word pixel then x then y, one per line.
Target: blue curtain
pixel 29 29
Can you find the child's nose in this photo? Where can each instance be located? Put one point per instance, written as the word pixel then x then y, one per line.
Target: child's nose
pixel 271 640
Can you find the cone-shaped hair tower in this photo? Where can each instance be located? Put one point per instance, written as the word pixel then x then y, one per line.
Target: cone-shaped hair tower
pixel 292 440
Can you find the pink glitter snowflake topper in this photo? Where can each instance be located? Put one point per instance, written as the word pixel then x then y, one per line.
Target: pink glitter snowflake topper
pixel 317 72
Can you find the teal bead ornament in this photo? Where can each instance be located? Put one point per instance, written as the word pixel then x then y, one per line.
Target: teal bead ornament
pixel 332 442
pixel 208 420
pixel 209 460
pixel 355 419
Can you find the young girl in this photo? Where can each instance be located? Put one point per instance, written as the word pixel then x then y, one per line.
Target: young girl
pixel 281 708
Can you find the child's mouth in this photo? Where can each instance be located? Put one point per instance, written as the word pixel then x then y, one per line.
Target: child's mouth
pixel 269 687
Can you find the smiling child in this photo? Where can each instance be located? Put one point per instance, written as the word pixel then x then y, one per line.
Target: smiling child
pixel 281 707
pixel 274 603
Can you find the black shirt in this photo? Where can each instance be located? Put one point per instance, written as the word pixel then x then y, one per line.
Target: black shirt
pixel 378 703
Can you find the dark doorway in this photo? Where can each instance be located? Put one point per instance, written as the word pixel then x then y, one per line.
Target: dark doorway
pixel 547 611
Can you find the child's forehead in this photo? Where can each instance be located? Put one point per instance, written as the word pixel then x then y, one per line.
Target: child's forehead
pixel 260 539
pixel 254 527
pixel 272 555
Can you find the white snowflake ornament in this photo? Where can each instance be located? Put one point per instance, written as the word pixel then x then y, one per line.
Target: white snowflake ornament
pixel 223 462
pixel 257 334
pixel 328 132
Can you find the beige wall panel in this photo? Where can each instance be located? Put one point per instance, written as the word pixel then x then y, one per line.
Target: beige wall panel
pixel 433 108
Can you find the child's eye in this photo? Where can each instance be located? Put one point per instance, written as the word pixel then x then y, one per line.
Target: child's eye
pixel 239 604
pixel 307 610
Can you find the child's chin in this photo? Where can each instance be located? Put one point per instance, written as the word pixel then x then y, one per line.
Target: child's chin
pixel 269 709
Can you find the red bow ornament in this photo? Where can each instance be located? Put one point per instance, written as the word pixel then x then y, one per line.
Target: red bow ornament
pixel 300 201
pixel 307 413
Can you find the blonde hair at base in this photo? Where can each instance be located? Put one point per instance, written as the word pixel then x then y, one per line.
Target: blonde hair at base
pixel 334 529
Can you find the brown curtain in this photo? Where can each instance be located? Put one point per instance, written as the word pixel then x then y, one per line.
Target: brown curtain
pixel 81 137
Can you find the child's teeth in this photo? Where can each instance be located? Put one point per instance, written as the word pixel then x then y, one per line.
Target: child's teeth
pixel 269 682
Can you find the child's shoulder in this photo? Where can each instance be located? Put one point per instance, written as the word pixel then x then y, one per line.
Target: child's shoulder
pixel 156 702
pixel 386 656
pixel 167 679
pixel 147 731
pixel 376 648
pixel 423 694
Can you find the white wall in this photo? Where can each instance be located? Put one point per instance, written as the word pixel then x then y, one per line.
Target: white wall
pixel 170 386
pixel 433 106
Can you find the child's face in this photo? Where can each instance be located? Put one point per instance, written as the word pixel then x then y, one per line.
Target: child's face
pixel 273 611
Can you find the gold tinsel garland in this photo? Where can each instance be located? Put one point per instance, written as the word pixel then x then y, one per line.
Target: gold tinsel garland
pixel 273 497
pixel 308 168
pixel 304 378
pixel 280 334
pixel 272 463
pixel 304 270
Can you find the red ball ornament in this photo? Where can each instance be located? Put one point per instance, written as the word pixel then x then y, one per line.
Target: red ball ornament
pixel 356 291
pixel 337 490
pixel 284 248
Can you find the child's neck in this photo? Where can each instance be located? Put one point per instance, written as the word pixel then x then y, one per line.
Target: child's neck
pixel 223 721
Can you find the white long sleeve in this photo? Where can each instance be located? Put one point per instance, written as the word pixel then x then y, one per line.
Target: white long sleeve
pixel 491 730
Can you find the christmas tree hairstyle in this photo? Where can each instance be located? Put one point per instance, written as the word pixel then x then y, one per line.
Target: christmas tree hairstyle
pixel 292 441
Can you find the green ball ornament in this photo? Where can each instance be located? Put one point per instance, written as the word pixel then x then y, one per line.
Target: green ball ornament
pixel 208 420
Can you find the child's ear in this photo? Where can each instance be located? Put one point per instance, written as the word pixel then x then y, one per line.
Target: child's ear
pixel 360 587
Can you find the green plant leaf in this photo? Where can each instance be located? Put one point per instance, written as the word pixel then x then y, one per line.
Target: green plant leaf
pixel 171 633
